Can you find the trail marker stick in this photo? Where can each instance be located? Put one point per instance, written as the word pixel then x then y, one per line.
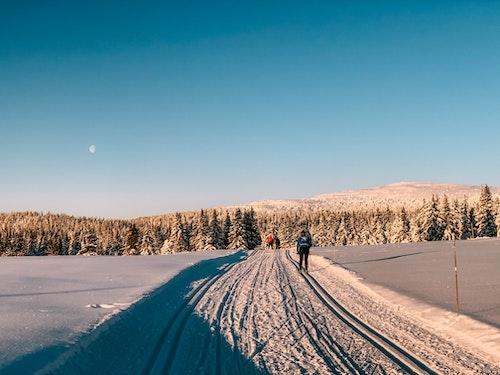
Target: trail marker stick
pixel 457 301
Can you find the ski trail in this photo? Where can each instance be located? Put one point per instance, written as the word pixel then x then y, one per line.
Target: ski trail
pixel 265 317
pixel 267 313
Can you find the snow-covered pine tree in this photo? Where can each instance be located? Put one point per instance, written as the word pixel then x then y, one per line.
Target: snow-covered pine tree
pixel 216 240
pixel 401 228
pixel 432 224
pixel 342 234
pixel 473 222
pixel 176 242
pixel 158 239
pixel 188 236
pixel 497 221
pixel 132 237
pixel 287 230
pixel 74 245
pixel 486 226
pixel 449 222
pixel 237 234
pixel 416 223
pixel 380 230
pixel 365 232
pixel 353 234
pixel 146 246
pixel 202 232
pixel 465 223
pixel 226 230
pixel 88 242
pixel 251 232
pixel 320 231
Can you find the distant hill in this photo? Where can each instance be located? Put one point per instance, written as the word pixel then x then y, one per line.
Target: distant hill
pixel 408 194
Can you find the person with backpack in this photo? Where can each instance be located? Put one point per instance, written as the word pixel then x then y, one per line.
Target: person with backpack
pixel 304 244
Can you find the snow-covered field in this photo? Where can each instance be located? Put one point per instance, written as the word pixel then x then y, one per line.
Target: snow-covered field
pixel 47 302
pixel 425 271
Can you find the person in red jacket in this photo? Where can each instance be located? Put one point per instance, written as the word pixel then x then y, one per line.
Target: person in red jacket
pixel 269 241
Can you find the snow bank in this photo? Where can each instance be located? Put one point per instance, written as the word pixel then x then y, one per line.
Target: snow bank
pixel 476 336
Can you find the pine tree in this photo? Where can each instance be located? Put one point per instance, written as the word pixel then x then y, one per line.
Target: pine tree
pixel 401 228
pixel 188 236
pixel 322 232
pixel 74 245
pixel 88 242
pixel 147 242
pixel 158 239
pixel 251 230
pixel 380 230
pixel 353 235
pixel 202 236
pixel 132 241
pixel 237 234
pixel 465 223
pixel 176 241
pixel 432 223
pixel 473 222
pixel 486 226
pixel 342 234
pixel 450 228
pixel 216 240
pixel 226 230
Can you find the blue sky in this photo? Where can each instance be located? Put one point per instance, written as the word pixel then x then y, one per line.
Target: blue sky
pixel 200 104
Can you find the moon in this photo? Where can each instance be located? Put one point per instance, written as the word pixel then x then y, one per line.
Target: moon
pixel 92 149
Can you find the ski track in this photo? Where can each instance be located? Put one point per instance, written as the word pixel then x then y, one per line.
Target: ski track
pixel 265 311
pixel 263 318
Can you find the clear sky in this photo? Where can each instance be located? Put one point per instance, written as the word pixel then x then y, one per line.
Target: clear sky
pixel 195 105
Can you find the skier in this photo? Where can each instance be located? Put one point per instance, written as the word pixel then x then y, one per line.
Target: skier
pixel 304 244
pixel 277 243
pixel 269 241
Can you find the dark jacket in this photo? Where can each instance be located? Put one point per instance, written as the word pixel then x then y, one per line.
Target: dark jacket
pixel 304 243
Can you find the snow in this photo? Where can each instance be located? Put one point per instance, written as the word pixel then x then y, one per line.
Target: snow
pixel 450 345
pixel 407 194
pixel 246 312
pixel 48 302
pixel 425 271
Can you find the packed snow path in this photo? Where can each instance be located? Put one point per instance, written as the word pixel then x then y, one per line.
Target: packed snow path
pixel 265 309
pixel 259 315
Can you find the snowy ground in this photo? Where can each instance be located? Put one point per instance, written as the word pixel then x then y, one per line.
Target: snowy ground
pixel 425 271
pixel 47 302
pixel 254 313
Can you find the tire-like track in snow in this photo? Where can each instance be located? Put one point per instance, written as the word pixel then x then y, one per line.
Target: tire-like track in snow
pixel 405 360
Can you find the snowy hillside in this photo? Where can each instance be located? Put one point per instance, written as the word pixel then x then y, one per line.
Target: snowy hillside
pixel 408 194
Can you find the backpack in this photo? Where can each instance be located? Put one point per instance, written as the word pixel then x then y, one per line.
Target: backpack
pixel 304 243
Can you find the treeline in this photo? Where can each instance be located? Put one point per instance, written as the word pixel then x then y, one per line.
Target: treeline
pixel 30 233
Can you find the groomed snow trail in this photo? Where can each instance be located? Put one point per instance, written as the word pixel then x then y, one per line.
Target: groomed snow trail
pixel 266 311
